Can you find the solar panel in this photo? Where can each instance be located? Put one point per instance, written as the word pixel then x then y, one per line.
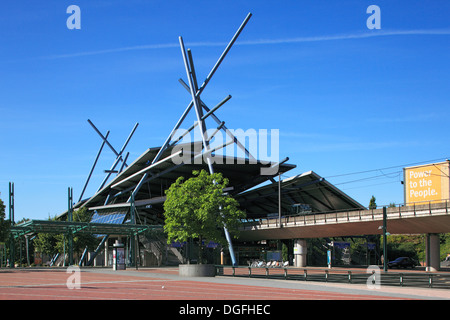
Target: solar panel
pixel 108 216
pixel 116 217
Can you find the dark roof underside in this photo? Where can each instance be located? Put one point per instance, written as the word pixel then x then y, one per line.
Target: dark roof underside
pixel 307 188
pixel 149 201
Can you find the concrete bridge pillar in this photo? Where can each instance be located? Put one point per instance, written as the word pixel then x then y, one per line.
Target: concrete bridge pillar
pixel 300 251
pixel 432 252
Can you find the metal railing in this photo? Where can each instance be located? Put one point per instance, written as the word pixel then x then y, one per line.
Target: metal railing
pixel 417 209
pixel 359 276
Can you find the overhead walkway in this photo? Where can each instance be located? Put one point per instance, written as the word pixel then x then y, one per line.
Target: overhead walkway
pixel 427 218
pixel 412 219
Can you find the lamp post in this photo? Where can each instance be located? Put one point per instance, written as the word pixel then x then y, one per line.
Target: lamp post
pixel 384 241
pixel 279 199
pixel 385 234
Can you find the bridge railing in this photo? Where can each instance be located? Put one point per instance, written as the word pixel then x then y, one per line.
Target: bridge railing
pixel 424 208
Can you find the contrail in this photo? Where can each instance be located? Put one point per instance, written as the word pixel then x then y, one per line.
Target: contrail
pixel 133 48
pixel 349 36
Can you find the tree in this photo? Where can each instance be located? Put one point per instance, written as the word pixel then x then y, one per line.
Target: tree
pixel 80 240
pixel 198 208
pixel 4 225
pixel 53 243
pixel 46 243
pixel 372 203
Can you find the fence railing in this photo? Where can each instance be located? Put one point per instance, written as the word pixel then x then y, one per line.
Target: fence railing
pixel 417 209
pixel 358 276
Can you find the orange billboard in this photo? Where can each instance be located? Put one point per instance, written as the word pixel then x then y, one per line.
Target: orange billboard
pixel 427 182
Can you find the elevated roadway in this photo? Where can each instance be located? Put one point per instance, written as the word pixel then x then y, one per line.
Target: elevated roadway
pixel 429 218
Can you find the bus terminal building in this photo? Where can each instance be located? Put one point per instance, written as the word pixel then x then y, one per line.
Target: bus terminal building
pixel 128 205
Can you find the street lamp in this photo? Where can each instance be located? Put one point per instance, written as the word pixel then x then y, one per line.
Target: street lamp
pixel 385 234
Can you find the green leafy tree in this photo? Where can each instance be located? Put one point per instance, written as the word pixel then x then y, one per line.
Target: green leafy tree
pixel 80 241
pixel 198 208
pixel 4 225
pixel 46 243
pixel 53 243
pixel 372 203
pixel 444 245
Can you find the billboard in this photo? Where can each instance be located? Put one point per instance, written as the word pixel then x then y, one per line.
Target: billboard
pixel 427 183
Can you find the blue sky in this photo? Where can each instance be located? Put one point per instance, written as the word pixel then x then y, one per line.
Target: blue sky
pixel 346 99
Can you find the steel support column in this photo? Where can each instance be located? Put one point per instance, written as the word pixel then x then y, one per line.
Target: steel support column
pixel 132 251
pixel 11 219
pixel 70 219
pixel 199 113
pixel 385 260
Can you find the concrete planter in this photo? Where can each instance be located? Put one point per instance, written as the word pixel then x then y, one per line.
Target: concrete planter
pixel 196 270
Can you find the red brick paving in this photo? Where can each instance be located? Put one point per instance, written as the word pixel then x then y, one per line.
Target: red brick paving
pixel 31 284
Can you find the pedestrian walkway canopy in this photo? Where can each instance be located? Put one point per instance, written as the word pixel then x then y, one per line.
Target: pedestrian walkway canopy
pixel 65 227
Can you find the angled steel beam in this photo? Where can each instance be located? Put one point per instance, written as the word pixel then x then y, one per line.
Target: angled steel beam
pixel 129 138
pixel 103 138
pixel 217 130
pixel 195 99
pixel 93 166
pixel 119 157
pixel 193 74
pixel 175 128
pixel 224 128
pixel 221 103
pixel 138 187
pixel 195 93
pixel 109 172
pixel 107 142
pixel 202 127
pixel 124 162
pixel 202 87
pixel 150 176
pixel 96 252
pixel 146 169
pixel 163 147
pixel 205 116
pixel 224 53
pixel 195 125
pixel 83 256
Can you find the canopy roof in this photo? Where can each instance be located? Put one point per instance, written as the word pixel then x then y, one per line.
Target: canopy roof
pixel 307 188
pixel 157 177
pixel 47 226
